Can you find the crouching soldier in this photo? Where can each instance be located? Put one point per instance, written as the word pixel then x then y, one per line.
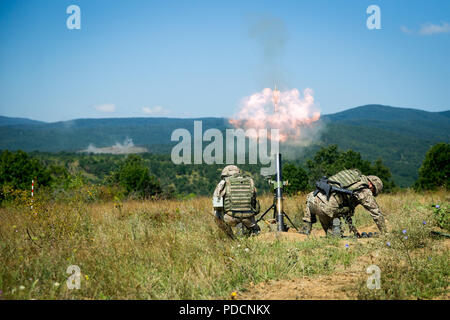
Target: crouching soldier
pixel 235 203
pixel 337 197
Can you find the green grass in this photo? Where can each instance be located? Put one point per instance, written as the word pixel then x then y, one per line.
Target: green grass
pixel 174 250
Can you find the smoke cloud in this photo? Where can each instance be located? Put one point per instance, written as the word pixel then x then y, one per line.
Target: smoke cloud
pixel 292 111
pixel 125 148
pixel 293 115
pixel 271 36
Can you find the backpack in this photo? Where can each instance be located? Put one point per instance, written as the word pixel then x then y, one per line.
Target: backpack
pixel 351 179
pixel 238 195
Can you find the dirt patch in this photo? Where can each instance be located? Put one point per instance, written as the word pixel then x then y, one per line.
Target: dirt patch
pixel 293 235
pixel 330 287
pixel 341 285
pixel 286 236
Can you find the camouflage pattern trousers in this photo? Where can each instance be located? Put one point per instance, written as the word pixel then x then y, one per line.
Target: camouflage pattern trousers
pixel 226 221
pixel 326 211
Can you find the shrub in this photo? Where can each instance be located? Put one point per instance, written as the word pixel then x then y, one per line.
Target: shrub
pixel 135 178
pixel 17 170
pixel 435 169
pixel 297 178
pixel 442 216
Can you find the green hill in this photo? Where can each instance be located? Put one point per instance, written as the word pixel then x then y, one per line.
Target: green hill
pixel 399 136
pixel 411 122
pixel 7 121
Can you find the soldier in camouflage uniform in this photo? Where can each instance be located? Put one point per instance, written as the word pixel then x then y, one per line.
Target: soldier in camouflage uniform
pixel 341 205
pixel 236 206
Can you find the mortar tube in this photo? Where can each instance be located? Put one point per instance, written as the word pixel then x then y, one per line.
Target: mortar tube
pixel 279 194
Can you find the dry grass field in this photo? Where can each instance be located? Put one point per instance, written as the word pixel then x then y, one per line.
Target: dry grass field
pixel 173 250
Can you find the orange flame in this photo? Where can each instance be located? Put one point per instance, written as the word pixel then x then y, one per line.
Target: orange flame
pixel 290 112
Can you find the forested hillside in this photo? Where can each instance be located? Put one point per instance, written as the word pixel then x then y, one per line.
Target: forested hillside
pixel 399 136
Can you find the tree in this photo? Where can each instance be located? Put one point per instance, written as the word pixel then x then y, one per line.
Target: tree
pixel 135 178
pixel 297 178
pixel 381 171
pixel 435 169
pixel 329 160
pixel 17 169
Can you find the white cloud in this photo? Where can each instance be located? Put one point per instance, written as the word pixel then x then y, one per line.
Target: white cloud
pixel 429 28
pixel 155 111
pixel 107 107
pixel 406 30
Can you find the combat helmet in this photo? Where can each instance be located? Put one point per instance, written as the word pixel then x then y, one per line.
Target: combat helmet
pixel 377 183
pixel 229 171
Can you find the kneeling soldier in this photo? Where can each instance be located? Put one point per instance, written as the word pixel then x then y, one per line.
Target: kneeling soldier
pixel 235 203
pixel 338 196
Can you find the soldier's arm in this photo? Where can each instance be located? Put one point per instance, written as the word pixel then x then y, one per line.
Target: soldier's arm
pixel 349 220
pixel 367 200
pixel 219 192
pixel 255 202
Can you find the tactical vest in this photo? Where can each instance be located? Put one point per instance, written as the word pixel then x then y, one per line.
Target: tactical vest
pixel 351 179
pixel 238 196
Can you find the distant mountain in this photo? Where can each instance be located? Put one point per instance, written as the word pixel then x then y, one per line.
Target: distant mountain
pixel 75 135
pixel 7 121
pixel 412 122
pixel 445 113
pixel 399 136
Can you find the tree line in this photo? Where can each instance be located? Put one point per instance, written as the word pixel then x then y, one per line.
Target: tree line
pixel 154 175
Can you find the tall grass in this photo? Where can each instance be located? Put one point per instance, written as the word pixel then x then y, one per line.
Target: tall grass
pixel 173 250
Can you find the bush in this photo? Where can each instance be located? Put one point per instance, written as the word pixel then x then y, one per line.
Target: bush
pixel 17 170
pixel 441 216
pixel 135 178
pixel 435 169
pixel 297 178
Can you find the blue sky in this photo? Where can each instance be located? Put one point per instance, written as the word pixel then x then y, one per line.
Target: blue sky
pixel 199 58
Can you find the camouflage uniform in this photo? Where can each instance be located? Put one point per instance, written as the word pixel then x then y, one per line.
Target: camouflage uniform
pixel 343 206
pixel 224 219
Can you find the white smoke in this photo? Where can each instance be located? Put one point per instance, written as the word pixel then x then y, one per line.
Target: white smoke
pixel 118 148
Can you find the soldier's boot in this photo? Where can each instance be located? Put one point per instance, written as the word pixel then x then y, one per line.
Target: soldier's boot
pixel 241 230
pixel 245 231
pixel 255 229
pixel 336 231
pixel 306 229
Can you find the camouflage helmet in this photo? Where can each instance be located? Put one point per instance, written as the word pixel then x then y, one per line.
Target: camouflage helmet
pixel 230 170
pixel 377 183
